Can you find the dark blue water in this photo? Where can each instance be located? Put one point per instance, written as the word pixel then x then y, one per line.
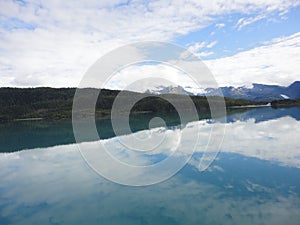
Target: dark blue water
pixel 255 179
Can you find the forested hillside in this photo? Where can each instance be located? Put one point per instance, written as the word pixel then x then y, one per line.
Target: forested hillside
pixel 56 103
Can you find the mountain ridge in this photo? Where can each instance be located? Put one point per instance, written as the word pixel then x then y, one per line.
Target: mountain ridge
pixel 258 92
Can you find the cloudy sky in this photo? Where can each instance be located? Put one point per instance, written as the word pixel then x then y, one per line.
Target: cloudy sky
pixel 53 43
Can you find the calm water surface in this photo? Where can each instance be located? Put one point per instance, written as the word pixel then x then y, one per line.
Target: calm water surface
pixel 254 180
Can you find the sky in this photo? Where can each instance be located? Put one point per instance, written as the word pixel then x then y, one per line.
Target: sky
pixel 53 43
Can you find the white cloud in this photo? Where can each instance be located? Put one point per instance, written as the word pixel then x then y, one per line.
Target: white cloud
pixel 161 74
pixel 65 38
pixel 220 25
pixel 194 48
pixel 276 62
pixel 211 44
pixel 204 54
pixel 246 21
pixel 197 48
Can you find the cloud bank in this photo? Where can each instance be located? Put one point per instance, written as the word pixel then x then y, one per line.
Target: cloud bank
pixel 276 62
pixel 53 43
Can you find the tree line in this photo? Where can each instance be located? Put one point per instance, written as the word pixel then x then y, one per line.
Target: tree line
pixel 56 103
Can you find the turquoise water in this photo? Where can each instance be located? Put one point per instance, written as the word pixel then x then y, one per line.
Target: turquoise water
pixel 255 179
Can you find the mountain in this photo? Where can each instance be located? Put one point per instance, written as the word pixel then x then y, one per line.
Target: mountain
pixel 294 90
pixel 261 92
pixel 169 90
pixel 258 92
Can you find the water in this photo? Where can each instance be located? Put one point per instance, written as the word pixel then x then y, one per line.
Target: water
pixel 255 179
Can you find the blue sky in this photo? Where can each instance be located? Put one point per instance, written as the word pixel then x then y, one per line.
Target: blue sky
pixel 231 39
pixel 53 43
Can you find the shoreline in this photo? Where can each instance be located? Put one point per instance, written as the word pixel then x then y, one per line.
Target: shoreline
pixel 29 119
pixel 250 106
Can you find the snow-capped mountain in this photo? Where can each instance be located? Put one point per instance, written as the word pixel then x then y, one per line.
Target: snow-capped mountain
pixel 258 92
pixel 168 90
pixel 261 92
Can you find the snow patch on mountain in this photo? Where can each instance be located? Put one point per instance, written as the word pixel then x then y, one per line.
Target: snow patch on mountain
pixel 285 96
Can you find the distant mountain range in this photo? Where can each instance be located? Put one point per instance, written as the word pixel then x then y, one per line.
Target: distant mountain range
pixel 258 92
pixel 169 90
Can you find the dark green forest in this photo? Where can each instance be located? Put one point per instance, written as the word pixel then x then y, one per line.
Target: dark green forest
pixel 56 103
pixel 285 103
